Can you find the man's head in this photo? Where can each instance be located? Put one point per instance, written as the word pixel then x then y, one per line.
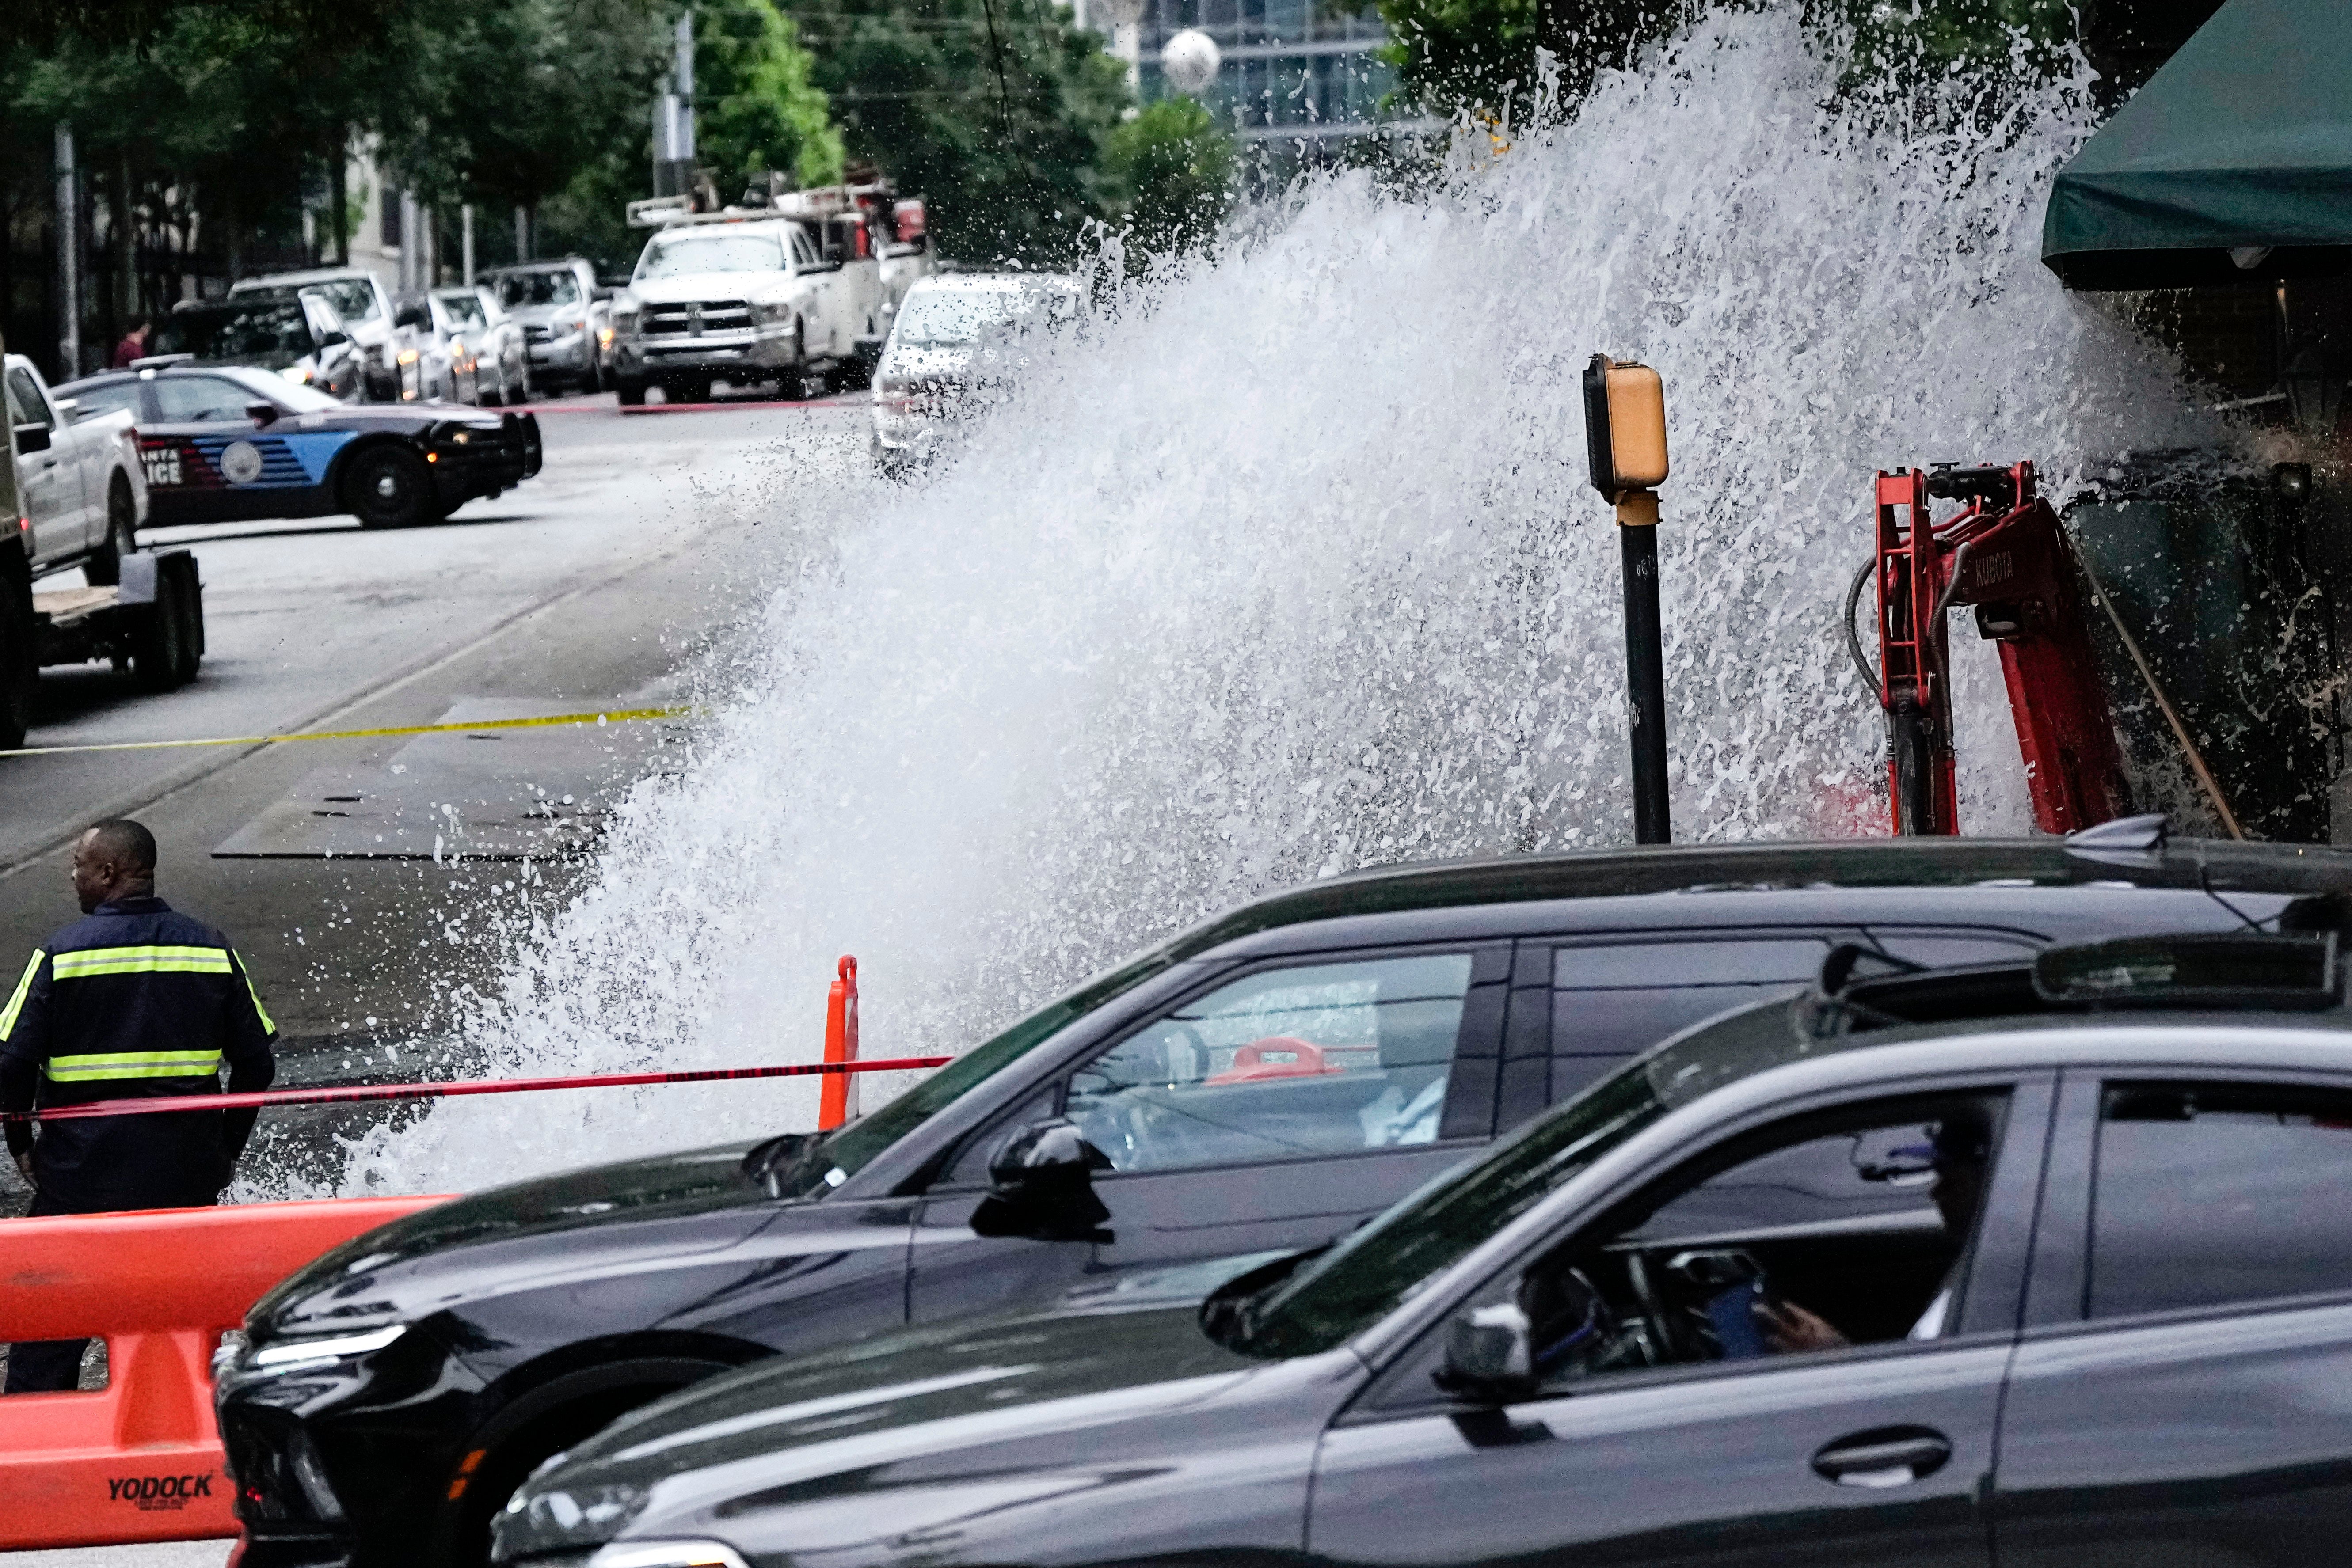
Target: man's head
pixel 113 860
pixel 1963 1145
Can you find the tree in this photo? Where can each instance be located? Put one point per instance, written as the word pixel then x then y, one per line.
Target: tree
pixel 1176 167
pixel 997 111
pixel 758 107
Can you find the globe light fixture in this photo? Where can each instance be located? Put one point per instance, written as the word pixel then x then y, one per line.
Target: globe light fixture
pixel 1190 60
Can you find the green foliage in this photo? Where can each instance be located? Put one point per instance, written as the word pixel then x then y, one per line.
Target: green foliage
pixel 1468 55
pixel 997 111
pixel 1176 167
pixel 759 108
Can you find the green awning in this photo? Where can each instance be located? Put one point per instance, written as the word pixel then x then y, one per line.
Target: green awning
pixel 2234 162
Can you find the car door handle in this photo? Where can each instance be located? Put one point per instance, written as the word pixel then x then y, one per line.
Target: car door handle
pixel 1886 1457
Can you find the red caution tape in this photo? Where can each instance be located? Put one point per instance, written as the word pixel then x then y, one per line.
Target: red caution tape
pixel 348 1095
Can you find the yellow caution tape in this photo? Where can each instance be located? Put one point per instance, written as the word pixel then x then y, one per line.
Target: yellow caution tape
pixel 610 716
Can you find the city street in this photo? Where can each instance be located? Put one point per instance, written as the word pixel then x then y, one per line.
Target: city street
pixel 591 586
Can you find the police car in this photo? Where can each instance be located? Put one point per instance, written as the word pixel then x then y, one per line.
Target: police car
pixel 225 443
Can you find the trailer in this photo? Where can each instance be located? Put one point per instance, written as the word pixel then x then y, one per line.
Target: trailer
pixel 152 624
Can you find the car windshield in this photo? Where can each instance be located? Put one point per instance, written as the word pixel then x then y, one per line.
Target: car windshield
pixel 522 291
pixel 352 298
pixel 952 318
pixel 270 333
pixel 286 393
pixel 675 256
pixel 1379 1268
pixel 850 1148
pixel 464 309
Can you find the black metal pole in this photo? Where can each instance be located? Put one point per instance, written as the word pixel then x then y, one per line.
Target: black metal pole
pixel 1646 684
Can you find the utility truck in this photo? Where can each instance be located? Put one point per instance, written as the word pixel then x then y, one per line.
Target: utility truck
pixel 73 493
pixel 784 287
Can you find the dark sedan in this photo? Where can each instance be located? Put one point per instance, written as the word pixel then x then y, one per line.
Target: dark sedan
pixel 1809 1286
pixel 225 443
pixel 1262 1082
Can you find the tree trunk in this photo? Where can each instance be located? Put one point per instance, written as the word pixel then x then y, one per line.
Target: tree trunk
pixel 338 161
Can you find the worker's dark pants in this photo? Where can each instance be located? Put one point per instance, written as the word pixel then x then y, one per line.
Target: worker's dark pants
pixel 49 1365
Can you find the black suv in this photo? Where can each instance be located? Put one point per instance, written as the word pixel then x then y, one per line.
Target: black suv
pixel 1811 1285
pixel 1265 1081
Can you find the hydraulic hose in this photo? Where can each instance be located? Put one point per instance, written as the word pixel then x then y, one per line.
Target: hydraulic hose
pixel 1862 664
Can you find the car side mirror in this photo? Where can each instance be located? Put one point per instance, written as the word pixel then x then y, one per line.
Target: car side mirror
pixel 261 413
pixel 1042 1186
pixel 68 410
pixel 333 339
pixel 32 438
pixel 1489 1355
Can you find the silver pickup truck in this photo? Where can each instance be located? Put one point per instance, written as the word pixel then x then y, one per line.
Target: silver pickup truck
pixel 566 317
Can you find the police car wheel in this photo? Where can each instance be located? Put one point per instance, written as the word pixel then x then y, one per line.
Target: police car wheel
pixel 390 488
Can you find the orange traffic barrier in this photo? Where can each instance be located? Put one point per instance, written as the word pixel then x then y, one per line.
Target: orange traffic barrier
pixel 140 1460
pixel 838 1103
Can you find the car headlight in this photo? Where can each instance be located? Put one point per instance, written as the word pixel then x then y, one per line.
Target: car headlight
pixel 667 1554
pixel 768 312
pixel 318 1350
pixel 298 374
pixel 458 347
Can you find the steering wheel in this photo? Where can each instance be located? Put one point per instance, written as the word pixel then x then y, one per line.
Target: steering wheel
pixel 1662 1332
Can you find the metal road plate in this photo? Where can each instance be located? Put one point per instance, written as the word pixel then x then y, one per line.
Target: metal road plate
pixel 511 794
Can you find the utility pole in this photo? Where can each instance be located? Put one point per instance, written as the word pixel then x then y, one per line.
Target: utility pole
pixel 522 232
pixel 68 255
pixel 674 118
pixel 1625 432
pixel 465 242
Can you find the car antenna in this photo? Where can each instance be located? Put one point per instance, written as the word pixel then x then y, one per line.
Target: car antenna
pixel 2205 880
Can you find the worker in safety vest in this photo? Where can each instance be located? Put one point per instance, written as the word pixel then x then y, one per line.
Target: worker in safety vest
pixel 134 1002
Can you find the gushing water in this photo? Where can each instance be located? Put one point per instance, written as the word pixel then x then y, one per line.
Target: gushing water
pixel 1287 565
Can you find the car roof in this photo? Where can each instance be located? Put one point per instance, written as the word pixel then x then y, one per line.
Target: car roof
pixel 1794 866
pixel 312 275
pixel 993 282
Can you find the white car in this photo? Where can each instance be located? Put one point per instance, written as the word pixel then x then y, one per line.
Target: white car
pixel 79 478
pixel 745 301
pixel 359 297
pixel 947 343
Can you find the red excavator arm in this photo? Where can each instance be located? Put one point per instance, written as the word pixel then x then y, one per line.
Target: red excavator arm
pixel 2006 554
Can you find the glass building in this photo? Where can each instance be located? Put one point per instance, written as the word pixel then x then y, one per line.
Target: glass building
pixel 1297 73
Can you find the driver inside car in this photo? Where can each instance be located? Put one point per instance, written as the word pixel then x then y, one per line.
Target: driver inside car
pixel 1959 1151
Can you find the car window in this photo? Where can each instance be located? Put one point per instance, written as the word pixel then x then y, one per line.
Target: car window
pixel 1310 1060
pixel 465 309
pixel 25 404
pixel 114 397
pixel 2208 1194
pixel 1611 999
pixel 804 252
pixel 1818 1236
pixel 520 290
pixel 190 400
pixel 352 298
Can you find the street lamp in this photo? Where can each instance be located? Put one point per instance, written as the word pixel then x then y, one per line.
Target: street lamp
pixel 1625 430
pixel 1190 60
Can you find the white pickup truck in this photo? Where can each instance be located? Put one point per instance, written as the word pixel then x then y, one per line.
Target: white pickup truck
pixel 73 493
pixel 747 298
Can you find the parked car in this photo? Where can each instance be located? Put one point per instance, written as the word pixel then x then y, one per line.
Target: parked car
pixel 364 308
pixel 1814 1284
pixel 949 346
pixel 566 319
pixel 226 443
pixel 296 336
pixel 492 338
pixel 1263 1081
pixel 79 478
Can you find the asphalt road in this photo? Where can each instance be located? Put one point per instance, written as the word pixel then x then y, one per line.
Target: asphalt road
pixel 596 585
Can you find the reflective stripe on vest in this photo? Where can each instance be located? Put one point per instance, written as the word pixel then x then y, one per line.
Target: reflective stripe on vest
pixel 268 1024
pixel 24 990
pixel 134 1064
pixel 93 961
